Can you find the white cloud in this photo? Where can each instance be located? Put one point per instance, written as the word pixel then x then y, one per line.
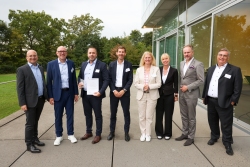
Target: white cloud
pixel 118 16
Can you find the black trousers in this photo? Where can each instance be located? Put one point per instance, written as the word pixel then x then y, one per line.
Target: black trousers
pixel 225 116
pixel 32 118
pixel 90 103
pixel 165 105
pixel 125 102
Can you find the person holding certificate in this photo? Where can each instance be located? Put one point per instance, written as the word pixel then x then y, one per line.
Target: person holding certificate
pixel 93 80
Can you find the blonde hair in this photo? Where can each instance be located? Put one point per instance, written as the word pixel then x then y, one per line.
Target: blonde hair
pixel 165 54
pixel 142 58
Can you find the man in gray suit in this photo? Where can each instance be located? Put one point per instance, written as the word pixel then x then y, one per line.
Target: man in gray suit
pixel 191 77
pixel 31 92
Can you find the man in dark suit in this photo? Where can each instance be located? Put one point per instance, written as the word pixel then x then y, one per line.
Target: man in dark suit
pixel 62 92
pixel 91 69
pixel 121 79
pixel 31 92
pixel 221 92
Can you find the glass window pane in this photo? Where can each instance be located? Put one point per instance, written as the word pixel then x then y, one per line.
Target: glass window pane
pixel 232 30
pixel 171 49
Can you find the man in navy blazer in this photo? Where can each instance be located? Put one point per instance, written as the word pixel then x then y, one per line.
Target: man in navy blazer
pixel 62 92
pixel 90 69
pixel 222 90
pixel 31 93
pixel 121 79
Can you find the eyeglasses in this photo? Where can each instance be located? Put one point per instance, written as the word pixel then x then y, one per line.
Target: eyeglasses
pixel 62 51
pixel 221 55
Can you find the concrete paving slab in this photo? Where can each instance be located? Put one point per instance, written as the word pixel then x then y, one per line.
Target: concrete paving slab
pixel 156 153
pixel 10 151
pixel 67 154
pixel 216 154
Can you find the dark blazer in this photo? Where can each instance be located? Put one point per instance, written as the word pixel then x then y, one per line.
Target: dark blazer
pixel 127 78
pixel 103 76
pixel 27 88
pixel 171 84
pixel 229 85
pixel 54 85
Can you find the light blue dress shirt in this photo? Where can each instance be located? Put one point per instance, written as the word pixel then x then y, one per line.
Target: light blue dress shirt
pixel 88 73
pixel 64 73
pixel 38 76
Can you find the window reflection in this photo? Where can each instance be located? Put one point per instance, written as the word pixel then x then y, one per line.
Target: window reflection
pixel 232 30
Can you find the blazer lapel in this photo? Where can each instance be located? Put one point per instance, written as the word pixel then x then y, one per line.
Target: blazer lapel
pixel 228 68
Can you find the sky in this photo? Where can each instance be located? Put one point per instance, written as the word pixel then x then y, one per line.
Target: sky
pixel 119 17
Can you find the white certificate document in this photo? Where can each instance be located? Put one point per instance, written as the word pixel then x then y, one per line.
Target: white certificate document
pixel 92 86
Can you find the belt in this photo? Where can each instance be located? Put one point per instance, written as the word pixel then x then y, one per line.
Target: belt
pixel 118 88
pixel 145 91
pixel 65 89
pixel 215 98
pixel 39 97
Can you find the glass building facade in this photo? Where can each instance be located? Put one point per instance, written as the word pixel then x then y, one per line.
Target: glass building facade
pixel 208 25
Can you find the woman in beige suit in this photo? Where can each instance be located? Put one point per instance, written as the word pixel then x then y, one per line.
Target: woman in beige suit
pixel 147 81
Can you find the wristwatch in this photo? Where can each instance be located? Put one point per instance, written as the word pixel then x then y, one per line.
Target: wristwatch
pixel 125 90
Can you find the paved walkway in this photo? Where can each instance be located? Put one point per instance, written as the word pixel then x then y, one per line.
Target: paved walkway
pixel 119 153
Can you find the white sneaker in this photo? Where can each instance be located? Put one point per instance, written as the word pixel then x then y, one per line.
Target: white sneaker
pixel 58 140
pixel 167 137
pixel 143 137
pixel 72 138
pixel 148 138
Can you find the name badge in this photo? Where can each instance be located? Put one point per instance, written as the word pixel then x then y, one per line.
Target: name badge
pixel 97 70
pixel 72 69
pixel 127 70
pixel 227 76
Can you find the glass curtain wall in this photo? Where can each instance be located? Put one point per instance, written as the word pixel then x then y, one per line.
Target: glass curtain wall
pixel 161 51
pixel 232 30
pixel 170 48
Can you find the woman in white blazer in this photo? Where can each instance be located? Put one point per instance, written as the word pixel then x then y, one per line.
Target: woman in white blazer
pixel 147 82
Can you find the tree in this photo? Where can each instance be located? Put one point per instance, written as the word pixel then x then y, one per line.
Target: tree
pixel 135 36
pixel 37 31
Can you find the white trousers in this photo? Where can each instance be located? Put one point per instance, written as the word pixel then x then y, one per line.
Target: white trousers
pixel 146 109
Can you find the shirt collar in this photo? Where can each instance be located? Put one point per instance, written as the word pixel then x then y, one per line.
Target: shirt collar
pixel 189 61
pixel 120 63
pixel 93 61
pixel 61 62
pixel 31 65
pixel 222 66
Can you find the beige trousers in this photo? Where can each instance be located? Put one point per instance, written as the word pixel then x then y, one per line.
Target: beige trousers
pixel 146 109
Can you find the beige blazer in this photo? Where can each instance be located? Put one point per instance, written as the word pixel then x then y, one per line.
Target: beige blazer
pixel 154 82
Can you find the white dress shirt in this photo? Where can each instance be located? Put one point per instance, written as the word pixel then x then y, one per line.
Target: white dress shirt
pixel 119 74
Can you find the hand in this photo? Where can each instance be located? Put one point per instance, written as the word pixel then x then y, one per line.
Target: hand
pixel 121 93
pixel 184 88
pixel 80 85
pixel 76 98
pixel 176 98
pixel 117 94
pixel 145 88
pixel 232 103
pixel 51 101
pixel 97 94
pixel 24 108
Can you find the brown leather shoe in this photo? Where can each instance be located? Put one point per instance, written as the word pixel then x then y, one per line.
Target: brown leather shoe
pixel 86 136
pixel 96 139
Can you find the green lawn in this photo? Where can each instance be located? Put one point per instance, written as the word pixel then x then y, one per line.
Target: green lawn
pixel 8 99
pixel 7 77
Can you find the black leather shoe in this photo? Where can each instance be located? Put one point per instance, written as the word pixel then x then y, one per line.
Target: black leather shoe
pixel 182 137
pixel 39 143
pixel 33 149
pixel 229 150
pixel 189 142
pixel 211 141
pixel 111 136
pixel 127 137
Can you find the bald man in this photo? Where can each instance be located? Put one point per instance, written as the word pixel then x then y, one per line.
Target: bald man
pixel 62 92
pixel 31 91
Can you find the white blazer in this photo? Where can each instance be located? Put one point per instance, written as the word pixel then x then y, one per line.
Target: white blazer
pixel 154 82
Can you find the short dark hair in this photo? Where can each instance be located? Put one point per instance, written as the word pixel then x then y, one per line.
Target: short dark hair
pixel 92 47
pixel 121 47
